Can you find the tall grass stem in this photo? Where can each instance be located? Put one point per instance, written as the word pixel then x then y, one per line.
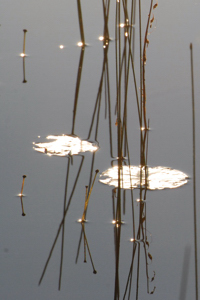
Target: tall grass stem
pixel 194 173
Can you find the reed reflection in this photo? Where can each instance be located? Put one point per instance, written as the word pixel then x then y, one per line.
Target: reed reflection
pixel 23 55
pixel 68 146
pixel 124 66
pixel 122 175
pixel 120 172
pixel 82 221
pixel 24 71
pixel 21 195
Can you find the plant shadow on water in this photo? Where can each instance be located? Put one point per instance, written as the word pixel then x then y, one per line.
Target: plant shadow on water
pixel 122 175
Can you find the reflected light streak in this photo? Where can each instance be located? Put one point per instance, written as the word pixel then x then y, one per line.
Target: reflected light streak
pixel 61 46
pixel 63 145
pixel 158 178
pixel 22 54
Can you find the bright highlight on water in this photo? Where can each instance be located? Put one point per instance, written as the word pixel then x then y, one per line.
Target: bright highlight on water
pixel 158 178
pixel 63 145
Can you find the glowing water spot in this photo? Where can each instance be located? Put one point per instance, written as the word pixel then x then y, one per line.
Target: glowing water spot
pixel 101 38
pixel 143 128
pixel 135 240
pixel 153 178
pixel 122 25
pixel 82 221
pixel 61 46
pixel 22 54
pixel 63 145
pixel 117 222
pixel 140 200
pixel 20 195
pixel 80 44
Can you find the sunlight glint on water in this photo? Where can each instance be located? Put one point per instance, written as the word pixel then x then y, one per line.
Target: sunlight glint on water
pixel 158 178
pixel 62 145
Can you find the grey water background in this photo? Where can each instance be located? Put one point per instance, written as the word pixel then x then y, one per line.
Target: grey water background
pixel 44 106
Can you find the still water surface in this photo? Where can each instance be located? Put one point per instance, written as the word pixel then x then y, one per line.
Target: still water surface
pixel 44 106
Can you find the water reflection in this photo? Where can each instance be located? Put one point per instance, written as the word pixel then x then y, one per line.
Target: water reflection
pixel 22 205
pixel 21 195
pixel 157 178
pixel 80 44
pixel 69 145
pixel 63 145
pixel 122 175
pixel 86 246
pixel 120 172
pixel 82 221
pixel 23 55
pixel 24 71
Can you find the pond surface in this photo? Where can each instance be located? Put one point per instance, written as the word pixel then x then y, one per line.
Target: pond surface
pixel 106 242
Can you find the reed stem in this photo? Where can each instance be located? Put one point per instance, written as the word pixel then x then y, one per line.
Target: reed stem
pixel 194 174
pixel 24 44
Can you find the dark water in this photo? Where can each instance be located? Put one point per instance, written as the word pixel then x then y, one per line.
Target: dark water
pixel 44 106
